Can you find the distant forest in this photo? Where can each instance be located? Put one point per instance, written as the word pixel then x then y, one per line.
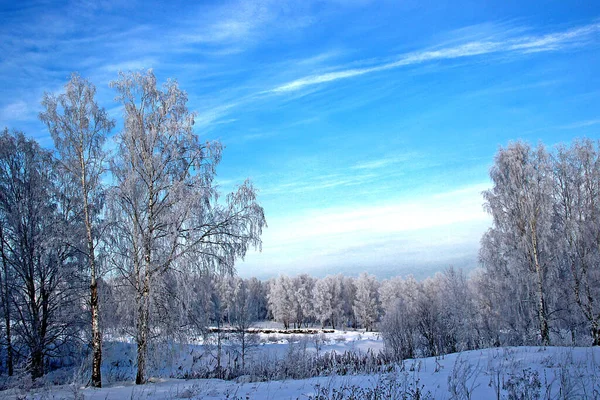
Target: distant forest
pixel 138 242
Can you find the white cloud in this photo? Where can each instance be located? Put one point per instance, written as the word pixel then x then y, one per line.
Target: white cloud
pixel 581 124
pixel 319 182
pixel 418 230
pixel 211 116
pixel 17 111
pixel 131 65
pixel 328 77
pixel 525 44
pixel 384 162
pixel 239 23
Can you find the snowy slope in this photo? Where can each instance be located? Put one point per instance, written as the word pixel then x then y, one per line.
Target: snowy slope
pixel 552 372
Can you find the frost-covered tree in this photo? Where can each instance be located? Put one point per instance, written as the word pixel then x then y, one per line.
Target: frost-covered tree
pixel 520 203
pixel 164 204
pixel 348 317
pixel 428 315
pixel 458 311
pixel 218 314
pixel 303 286
pixel 290 299
pixel 242 317
pixel 79 128
pixel 390 290
pixel 400 324
pixel 35 216
pixel 488 316
pixel 258 298
pixel 196 301
pixel 366 302
pixel 399 330
pixel 281 300
pixel 329 301
pixel 577 196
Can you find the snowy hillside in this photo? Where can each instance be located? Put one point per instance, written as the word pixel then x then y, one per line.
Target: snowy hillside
pixel 511 373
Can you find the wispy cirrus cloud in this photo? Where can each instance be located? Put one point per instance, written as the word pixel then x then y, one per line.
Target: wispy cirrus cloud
pixel 521 44
pixel 16 111
pixel 386 161
pixel 131 65
pixel 581 124
pixel 214 115
pixel 318 183
pixel 233 27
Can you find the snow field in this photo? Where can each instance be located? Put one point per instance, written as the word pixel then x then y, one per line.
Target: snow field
pixel 506 373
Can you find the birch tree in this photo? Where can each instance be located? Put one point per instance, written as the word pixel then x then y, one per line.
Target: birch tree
pixel 401 322
pixel 303 286
pixel 281 300
pixel 390 290
pixel 348 317
pixel 366 303
pixel 42 290
pixel 398 330
pixel 577 193
pixel 457 309
pixel 428 315
pixel 258 298
pixel 242 317
pixel 520 203
pixel 165 204
pixel 79 128
pixel 329 300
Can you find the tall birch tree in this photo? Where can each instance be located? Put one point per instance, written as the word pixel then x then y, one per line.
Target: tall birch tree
pixel 520 203
pixel 79 128
pixel 164 202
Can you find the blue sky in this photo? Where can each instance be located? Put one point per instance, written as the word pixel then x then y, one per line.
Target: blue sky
pixel 369 127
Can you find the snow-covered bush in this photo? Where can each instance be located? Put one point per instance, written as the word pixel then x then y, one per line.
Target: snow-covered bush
pixel 403 386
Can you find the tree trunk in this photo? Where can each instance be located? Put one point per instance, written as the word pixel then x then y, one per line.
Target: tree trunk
pixel 37 363
pixel 243 333
pixel 6 306
pixel 544 330
pixel 142 331
pixel 9 348
pixel 96 336
pixel 219 349
pixel 595 333
pixel 143 328
pixel 35 344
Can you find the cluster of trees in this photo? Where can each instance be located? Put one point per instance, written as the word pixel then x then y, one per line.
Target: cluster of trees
pixel 441 314
pixel 539 281
pixel 542 255
pixel 146 212
pixel 335 300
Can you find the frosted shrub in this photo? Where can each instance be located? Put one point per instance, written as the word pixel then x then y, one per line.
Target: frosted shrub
pixel 389 387
pixel 524 386
pixel 462 380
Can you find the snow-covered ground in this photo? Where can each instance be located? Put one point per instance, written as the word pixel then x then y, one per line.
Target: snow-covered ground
pixel 551 372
